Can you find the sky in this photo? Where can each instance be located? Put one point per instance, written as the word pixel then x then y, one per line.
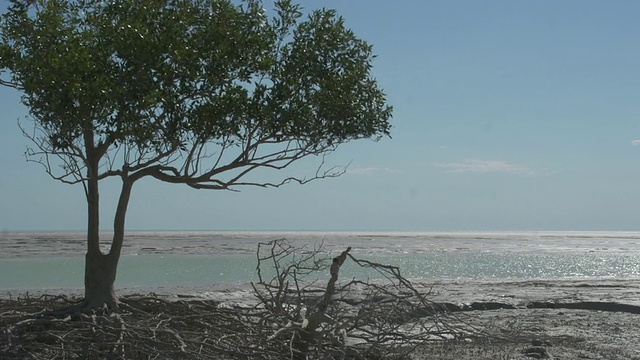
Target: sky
pixel 508 116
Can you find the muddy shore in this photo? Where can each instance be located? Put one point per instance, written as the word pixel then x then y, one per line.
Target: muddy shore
pixel 566 319
pixel 544 319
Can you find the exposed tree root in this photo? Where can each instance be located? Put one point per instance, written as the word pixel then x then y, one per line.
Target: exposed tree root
pixel 156 329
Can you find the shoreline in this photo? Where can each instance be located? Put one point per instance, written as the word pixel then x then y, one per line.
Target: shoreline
pixel 509 291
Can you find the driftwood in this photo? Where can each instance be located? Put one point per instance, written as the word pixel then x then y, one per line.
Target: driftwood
pixel 353 318
pixel 295 316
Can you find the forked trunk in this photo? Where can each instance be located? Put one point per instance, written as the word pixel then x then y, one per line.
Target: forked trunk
pixel 101 269
pixel 99 278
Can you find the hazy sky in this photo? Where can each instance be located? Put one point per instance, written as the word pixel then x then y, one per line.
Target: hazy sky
pixel 509 115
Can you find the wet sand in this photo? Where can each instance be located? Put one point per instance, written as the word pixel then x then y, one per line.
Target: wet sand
pixel 548 319
pixel 559 319
pixel 553 319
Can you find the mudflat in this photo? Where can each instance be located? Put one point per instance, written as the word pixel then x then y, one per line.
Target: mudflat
pixel 555 319
pixel 534 319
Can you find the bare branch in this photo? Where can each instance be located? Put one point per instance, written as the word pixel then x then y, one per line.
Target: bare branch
pixel 12 85
pixel 72 160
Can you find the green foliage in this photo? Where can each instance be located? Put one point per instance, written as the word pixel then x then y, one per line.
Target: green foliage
pixel 162 76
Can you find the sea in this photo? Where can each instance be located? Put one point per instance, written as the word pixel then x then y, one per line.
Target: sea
pixel 54 261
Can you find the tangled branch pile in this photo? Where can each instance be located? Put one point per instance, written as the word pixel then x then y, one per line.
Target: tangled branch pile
pixel 295 317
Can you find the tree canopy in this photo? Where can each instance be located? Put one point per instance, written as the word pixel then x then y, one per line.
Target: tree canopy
pixel 175 83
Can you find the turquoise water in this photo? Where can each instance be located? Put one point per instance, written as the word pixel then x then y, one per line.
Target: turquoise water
pixel 183 270
pixel 134 271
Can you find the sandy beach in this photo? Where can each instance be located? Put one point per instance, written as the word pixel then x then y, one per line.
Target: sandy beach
pixel 559 319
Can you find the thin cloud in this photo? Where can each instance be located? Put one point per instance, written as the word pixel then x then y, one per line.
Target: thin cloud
pixel 635 142
pixel 373 170
pixel 485 167
pixel 364 171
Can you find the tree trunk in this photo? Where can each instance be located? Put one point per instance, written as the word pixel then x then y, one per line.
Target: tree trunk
pixel 101 269
pixel 317 316
pixel 99 278
pixel 93 195
pixel 119 219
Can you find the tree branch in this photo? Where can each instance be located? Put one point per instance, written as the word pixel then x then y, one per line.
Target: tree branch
pixel 12 85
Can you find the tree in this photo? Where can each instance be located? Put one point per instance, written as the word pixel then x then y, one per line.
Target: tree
pixel 194 92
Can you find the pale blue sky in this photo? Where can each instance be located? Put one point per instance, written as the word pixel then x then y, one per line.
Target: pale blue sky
pixel 509 115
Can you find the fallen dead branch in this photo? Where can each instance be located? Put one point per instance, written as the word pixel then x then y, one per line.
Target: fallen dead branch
pixel 345 319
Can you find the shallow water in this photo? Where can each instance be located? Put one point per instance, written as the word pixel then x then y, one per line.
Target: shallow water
pixel 196 259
